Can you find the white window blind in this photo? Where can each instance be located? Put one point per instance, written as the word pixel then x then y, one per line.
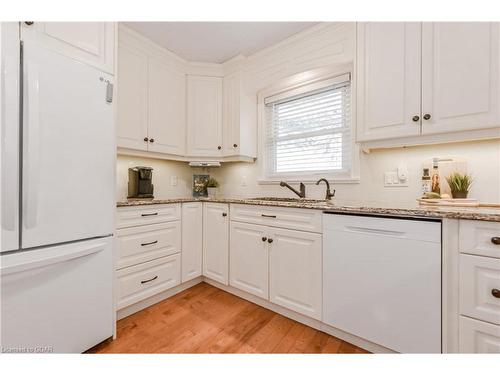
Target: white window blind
pixel 308 130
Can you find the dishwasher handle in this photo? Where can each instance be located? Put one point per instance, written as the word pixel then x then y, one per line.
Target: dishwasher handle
pixel 368 230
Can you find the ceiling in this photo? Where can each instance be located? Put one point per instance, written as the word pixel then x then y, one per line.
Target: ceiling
pixel 216 42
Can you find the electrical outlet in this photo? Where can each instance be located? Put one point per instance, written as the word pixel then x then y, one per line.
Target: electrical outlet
pixel 243 180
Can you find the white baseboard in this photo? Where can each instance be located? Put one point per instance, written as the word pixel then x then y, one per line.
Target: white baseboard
pixel 132 309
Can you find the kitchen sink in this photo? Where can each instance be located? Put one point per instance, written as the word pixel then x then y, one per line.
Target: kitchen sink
pixel 291 200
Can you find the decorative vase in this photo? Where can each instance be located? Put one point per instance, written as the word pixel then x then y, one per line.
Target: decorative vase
pixel 212 191
pixel 459 194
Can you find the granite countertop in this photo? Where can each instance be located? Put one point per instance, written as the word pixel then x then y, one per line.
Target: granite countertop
pixel 373 208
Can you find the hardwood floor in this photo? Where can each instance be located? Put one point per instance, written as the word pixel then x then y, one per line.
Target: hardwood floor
pixel 205 319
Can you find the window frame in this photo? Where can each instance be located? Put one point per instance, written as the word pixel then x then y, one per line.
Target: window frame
pixel 295 84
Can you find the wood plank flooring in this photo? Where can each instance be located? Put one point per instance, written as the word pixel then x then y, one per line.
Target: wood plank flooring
pixel 205 319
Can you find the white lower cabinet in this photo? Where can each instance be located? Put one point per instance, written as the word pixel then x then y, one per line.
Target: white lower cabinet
pixel 478 337
pixel 140 244
pixel 216 242
pixel 295 271
pixel 144 280
pixel 249 258
pixel 192 240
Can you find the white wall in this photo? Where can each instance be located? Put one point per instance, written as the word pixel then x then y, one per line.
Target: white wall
pixel 325 45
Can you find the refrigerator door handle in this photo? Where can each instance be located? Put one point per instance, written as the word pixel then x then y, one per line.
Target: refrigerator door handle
pixel 31 152
pixel 39 258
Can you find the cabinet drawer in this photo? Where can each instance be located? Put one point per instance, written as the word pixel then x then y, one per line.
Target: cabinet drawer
pixel 147 279
pixel 480 287
pixel 150 214
pixel 478 337
pixel 139 244
pixel 480 238
pixel 282 217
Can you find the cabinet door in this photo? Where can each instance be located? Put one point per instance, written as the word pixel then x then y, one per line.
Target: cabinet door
pixel 295 271
pixel 166 104
pixel 204 116
pixel 192 240
pixel 460 83
pixel 231 116
pixel 388 92
pixel 249 258
pixel 216 241
pixel 132 126
pixel 89 42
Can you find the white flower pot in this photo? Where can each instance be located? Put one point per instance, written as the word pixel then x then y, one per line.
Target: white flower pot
pixel 212 191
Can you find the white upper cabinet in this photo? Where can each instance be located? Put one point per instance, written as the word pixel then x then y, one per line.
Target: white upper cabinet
pixel 460 89
pixel 416 79
pixel 204 116
pixel 239 132
pixel 132 116
pixel 389 63
pixel 92 43
pixel 151 98
pixel 166 109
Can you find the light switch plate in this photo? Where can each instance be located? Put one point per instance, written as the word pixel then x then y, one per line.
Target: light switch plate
pixel 395 179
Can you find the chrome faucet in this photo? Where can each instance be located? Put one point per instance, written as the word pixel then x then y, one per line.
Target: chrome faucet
pixel 329 194
pixel 301 193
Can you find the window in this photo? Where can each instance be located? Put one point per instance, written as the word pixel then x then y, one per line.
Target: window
pixel 308 130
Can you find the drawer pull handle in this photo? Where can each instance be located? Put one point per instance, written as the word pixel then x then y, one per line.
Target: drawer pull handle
pixel 156 213
pixel 147 281
pixel 495 240
pixel 271 216
pixel 149 243
pixel 495 293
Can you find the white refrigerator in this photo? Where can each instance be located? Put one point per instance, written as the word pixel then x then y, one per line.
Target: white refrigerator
pixel 57 198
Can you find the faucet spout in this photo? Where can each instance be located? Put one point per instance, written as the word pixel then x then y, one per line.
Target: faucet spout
pixel 301 193
pixel 329 194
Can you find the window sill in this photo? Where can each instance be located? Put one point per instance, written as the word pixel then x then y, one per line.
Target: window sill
pixel 309 181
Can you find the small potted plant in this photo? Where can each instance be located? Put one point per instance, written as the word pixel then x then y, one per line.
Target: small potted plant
pixel 459 184
pixel 212 185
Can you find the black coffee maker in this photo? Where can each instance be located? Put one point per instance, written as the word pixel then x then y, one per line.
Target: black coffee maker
pixel 140 182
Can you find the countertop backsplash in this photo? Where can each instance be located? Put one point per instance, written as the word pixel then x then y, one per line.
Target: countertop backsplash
pixel 483 161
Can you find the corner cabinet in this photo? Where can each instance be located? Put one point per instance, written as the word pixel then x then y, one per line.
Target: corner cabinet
pixel 92 43
pixel 216 242
pixel 204 116
pixel 416 79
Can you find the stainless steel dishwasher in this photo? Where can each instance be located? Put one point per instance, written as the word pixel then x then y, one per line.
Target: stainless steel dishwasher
pixel 382 280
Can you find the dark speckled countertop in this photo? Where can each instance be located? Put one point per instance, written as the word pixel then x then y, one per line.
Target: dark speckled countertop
pixel 336 206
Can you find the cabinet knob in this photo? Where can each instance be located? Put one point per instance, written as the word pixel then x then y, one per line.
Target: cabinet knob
pixel 415 118
pixel 151 140
pixel 235 145
pixel 495 293
pixel 146 139
pixel 219 147
pixel 270 240
pixel 427 116
pixel 495 240
pixel 264 239
pixel 224 214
